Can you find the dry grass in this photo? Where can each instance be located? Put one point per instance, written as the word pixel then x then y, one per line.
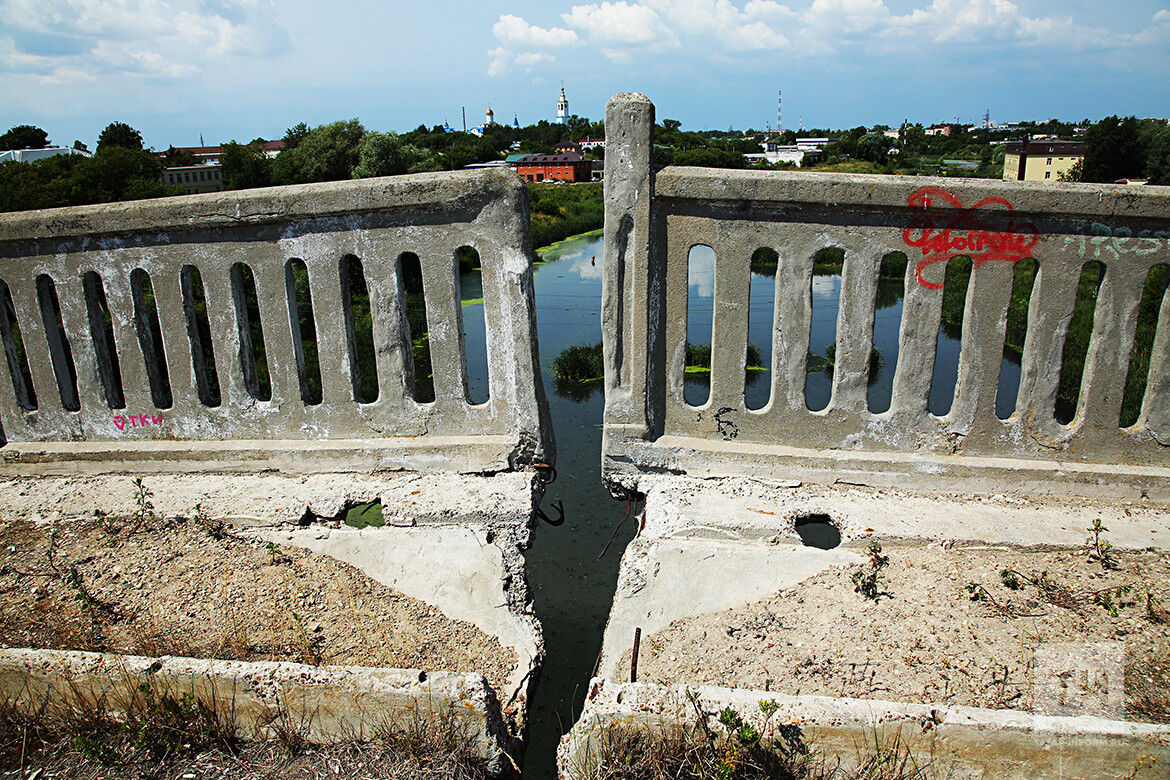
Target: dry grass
pixel 733 749
pixel 155 732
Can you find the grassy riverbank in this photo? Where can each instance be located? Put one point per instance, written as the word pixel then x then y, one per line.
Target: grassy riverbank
pixel 559 211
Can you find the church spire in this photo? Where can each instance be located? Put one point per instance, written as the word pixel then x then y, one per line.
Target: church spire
pixel 562 107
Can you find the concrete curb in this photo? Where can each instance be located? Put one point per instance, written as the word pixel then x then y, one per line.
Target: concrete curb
pixel 968 742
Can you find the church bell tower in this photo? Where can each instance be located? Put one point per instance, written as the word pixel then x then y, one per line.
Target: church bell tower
pixel 562 107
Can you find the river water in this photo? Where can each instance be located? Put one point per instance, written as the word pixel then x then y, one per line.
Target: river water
pixel 572 580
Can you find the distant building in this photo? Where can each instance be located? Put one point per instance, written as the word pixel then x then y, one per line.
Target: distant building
pixel 489 118
pixel 562 108
pixel 209 155
pixel 207 177
pixel 29 155
pixel 938 130
pixel 812 144
pixel 569 167
pixel 591 143
pixel 567 146
pixel 1040 160
pixel 789 153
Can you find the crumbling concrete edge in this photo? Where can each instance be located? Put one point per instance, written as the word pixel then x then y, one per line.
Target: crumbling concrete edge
pixel 488 520
pixel 325 703
pixel 966 741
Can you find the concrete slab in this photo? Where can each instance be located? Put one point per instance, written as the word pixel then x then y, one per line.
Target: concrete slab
pixel 963 743
pixel 464 556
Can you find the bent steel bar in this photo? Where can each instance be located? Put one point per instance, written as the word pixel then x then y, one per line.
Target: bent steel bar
pixel 652 222
pixel 376 221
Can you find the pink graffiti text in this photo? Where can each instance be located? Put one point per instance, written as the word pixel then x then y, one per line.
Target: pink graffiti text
pixel 963 232
pixel 136 420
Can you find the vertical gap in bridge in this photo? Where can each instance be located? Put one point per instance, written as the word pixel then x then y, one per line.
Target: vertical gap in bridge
pixel 761 327
pixel 700 324
pixel 359 330
pixel 410 279
pixel 887 325
pixel 1076 341
pixel 304 329
pixel 1023 280
pixel 1153 294
pixel 950 336
pixel 26 395
pixel 199 334
pixel 59 351
pixel 474 325
pixel 101 332
pixel 825 290
pixel 150 338
pixel 253 359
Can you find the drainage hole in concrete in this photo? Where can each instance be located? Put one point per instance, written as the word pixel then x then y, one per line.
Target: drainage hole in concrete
pixel 817 530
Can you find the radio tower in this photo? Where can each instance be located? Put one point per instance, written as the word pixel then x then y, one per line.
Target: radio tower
pixel 779 122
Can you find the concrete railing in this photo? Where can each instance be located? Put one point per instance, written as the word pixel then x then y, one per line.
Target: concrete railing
pixel 653 220
pixel 128 330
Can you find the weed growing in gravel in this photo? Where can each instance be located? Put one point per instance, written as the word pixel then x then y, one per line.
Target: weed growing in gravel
pixel 213 526
pixel 1100 550
pixel 867 578
pixel 143 506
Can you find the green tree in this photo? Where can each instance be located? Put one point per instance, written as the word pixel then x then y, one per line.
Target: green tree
pixel 244 166
pixel 1158 157
pixel 385 154
pixel 119 134
pixel 294 135
pixel 24 137
pixel 710 158
pixel 1113 150
pixel 874 147
pixel 174 157
pixel 327 153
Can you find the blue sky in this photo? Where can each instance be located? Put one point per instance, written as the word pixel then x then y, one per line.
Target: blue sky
pixel 238 69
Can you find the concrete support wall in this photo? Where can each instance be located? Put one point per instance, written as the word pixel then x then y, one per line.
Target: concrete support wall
pixel 76 423
pixel 653 221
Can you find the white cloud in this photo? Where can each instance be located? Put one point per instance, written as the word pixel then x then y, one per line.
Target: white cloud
pixel 518 39
pixel 69 41
pixel 623 30
pixel 512 30
pixel 621 23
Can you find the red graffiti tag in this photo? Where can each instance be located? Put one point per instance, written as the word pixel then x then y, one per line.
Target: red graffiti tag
pixel 965 233
pixel 136 420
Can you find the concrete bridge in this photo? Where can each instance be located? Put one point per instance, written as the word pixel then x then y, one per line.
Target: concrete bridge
pixel 131 340
pixel 167 339
pixel 730 492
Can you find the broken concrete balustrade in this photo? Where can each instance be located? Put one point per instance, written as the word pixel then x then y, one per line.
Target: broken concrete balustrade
pixel 132 334
pixel 727 598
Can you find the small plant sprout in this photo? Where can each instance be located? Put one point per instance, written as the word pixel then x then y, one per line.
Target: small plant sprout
pixel 1100 549
pixel 1011 579
pixel 143 506
pixel 1155 612
pixel 1110 598
pixel 867 578
pixel 213 526
pixel 80 594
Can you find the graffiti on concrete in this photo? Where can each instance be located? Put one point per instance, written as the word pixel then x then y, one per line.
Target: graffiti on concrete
pixel 955 230
pixel 136 420
pixel 1099 241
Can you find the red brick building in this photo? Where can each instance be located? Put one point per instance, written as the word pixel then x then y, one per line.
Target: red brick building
pixel 568 166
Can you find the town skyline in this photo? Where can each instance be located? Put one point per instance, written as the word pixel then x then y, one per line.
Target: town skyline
pixel 239 69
